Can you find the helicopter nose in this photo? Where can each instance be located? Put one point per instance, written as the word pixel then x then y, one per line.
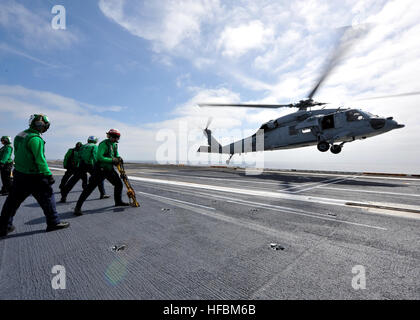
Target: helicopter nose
pixel 395 125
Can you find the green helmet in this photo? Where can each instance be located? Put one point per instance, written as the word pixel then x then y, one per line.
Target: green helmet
pixel 39 122
pixel 79 145
pixel 6 139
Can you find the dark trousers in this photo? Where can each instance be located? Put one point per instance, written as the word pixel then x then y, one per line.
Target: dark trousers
pixel 99 175
pixel 6 178
pixel 67 175
pixel 81 173
pixel 23 186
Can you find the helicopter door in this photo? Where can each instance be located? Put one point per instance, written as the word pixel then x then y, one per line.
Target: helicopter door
pixel 327 122
pixel 339 120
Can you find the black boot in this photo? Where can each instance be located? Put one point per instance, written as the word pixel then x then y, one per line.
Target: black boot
pixel 122 204
pixel 58 226
pixel 63 197
pixel 9 229
pixel 78 212
pixel 104 196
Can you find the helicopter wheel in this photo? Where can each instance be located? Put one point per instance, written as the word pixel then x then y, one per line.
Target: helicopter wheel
pixel 323 146
pixel 336 148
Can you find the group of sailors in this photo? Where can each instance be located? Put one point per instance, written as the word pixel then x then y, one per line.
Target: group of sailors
pixel 32 176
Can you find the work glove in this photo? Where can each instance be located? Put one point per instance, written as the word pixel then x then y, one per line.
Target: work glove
pixel 116 161
pixel 50 180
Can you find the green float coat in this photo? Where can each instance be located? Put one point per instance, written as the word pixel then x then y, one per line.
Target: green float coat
pixel 30 153
pixel 6 154
pixel 88 153
pixel 106 151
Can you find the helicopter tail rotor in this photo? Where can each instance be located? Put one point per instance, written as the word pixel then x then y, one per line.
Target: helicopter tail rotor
pixel 213 146
pixel 207 131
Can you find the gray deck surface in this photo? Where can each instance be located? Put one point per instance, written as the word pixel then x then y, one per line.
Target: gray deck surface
pixel 214 241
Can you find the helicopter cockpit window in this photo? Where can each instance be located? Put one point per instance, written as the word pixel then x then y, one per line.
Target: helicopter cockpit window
pixel 354 115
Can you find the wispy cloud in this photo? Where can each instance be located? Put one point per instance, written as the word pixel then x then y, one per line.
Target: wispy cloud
pixel 52 100
pixel 168 23
pixel 71 121
pixel 33 29
pixel 12 50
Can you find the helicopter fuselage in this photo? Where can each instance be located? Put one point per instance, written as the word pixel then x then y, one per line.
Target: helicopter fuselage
pixel 329 125
pixel 324 128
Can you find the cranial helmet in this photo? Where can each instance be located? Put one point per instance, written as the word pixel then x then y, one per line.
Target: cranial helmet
pixel 92 139
pixel 6 139
pixel 114 133
pixel 39 122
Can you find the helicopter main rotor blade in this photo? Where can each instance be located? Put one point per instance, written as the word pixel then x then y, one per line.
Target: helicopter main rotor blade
pixel 392 96
pixel 348 38
pixel 247 105
pixel 209 121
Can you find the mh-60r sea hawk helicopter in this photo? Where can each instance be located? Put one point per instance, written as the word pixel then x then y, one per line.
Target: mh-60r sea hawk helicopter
pixel 329 129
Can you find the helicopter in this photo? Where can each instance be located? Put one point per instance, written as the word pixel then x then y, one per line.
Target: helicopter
pixel 328 129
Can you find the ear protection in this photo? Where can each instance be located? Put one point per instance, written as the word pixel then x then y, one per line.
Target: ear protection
pixel 6 139
pixel 39 122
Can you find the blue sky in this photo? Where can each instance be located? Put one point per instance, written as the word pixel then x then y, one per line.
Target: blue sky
pixel 141 66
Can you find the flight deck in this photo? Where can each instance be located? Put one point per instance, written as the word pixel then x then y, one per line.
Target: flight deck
pixel 223 233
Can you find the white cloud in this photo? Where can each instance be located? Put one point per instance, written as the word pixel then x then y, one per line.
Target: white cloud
pixel 71 120
pixel 168 24
pixel 236 41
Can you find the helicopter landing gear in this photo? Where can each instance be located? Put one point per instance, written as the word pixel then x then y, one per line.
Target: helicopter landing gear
pixel 336 148
pixel 323 146
pixel 228 160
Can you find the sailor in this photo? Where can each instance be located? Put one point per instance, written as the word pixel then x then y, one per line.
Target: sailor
pixel 87 159
pixel 71 163
pixel 107 156
pixel 6 164
pixel 31 177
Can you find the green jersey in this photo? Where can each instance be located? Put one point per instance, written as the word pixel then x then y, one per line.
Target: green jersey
pixel 6 154
pixel 106 151
pixel 71 159
pixel 30 153
pixel 88 153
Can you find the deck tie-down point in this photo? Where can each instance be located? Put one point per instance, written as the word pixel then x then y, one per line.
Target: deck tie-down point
pixel 276 246
pixel 120 247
